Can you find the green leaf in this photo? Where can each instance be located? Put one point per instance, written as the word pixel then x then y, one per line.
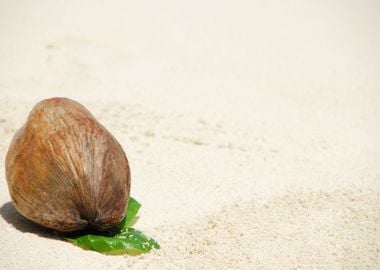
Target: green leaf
pixel 129 241
pixel 130 216
pixel 121 239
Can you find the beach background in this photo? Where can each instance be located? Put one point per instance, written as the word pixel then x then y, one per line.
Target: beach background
pixel 252 127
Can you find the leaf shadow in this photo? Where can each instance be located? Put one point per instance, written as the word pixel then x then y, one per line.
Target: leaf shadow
pixel 20 223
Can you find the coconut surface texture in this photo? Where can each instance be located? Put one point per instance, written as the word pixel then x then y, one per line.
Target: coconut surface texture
pixel 65 171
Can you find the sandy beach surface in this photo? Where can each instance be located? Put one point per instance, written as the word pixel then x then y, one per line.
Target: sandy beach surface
pixel 252 127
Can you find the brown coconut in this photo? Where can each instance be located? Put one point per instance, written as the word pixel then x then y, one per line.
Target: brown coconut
pixel 65 171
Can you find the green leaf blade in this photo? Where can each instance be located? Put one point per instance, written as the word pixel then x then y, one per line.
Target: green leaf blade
pixel 130 241
pixel 133 208
pixel 122 238
pixel 129 217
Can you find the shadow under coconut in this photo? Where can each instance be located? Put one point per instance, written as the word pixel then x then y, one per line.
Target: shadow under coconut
pixel 14 218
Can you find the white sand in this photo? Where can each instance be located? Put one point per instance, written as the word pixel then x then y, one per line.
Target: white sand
pixel 252 129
